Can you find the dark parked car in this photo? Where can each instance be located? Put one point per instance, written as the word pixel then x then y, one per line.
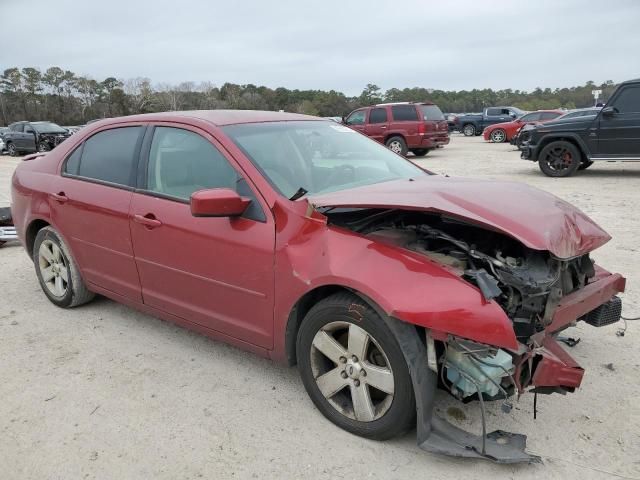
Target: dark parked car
pixel 523 134
pixel 474 124
pixel 504 132
pixel 567 145
pixel 29 137
pixel 380 280
pixel 403 127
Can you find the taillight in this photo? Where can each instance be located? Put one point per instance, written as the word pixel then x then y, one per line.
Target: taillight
pixel 422 128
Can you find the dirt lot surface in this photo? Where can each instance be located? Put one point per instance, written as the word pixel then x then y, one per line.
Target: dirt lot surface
pixel 103 391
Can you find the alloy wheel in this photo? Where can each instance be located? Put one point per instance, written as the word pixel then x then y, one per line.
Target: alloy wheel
pixel 498 136
pixel 559 158
pixel 352 371
pixel 395 147
pixel 11 148
pixel 469 130
pixel 53 268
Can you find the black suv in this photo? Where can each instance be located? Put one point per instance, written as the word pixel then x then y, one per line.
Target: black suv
pixel 29 137
pixel 563 146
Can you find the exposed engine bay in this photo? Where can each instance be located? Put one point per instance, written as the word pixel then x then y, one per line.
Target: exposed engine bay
pixel 528 285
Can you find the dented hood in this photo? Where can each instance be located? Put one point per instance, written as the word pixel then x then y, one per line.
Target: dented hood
pixel 539 220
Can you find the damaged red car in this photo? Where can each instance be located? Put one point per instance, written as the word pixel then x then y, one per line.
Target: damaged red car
pixel 306 242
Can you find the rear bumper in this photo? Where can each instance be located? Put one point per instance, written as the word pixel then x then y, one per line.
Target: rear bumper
pixel 435 141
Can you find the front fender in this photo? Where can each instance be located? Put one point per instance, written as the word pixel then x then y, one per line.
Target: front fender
pixel 404 284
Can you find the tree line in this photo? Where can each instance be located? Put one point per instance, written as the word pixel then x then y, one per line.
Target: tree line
pixel 66 98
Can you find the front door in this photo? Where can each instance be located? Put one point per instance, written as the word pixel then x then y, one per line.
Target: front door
pixel 377 124
pixel 356 120
pixel 29 138
pixel 90 204
pixel 619 131
pixel 216 272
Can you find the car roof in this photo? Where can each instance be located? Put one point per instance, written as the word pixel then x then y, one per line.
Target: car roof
pixel 219 117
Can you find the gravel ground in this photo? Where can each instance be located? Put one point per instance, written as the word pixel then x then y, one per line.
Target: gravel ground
pixel 103 391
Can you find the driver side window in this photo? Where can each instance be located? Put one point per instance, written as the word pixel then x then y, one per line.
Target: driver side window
pixel 356 118
pixel 182 162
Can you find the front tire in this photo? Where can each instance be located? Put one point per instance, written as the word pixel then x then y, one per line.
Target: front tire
pixel 57 271
pixel 559 159
pixel 498 136
pixel 469 130
pixel 397 145
pixel 354 370
pixel 43 147
pixel 420 152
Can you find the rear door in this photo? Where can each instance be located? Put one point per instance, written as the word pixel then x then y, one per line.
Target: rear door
pixel 90 205
pixel 619 132
pixel 17 130
pixel 377 124
pixel 216 272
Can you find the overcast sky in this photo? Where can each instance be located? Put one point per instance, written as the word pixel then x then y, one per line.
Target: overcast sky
pixel 328 44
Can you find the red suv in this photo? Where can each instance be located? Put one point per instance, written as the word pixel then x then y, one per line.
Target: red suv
pixel 403 127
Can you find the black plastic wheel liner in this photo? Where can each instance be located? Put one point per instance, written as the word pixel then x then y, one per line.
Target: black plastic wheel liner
pixel 434 434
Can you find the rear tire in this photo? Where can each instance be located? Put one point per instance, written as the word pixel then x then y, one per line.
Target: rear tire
pixel 397 145
pixel 420 152
pixel 57 271
pixel 559 159
pixel 345 351
pixel 469 130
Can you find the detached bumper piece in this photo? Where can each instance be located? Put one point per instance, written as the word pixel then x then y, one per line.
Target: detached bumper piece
pixel 7 230
pixel 7 234
pixel 435 434
pixel 605 314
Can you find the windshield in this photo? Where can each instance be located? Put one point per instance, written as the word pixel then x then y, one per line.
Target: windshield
pixel 48 127
pixel 317 156
pixel 431 112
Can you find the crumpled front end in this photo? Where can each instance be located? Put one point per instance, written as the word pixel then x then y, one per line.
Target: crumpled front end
pixel 539 295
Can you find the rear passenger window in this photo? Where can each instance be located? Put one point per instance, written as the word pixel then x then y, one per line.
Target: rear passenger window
pixel 109 156
pixel 72 166
pixel 404 113
pixel 494 112
pixel 182 162
pixel 378 115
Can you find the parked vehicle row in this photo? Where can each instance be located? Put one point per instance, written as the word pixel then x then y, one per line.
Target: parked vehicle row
pixel 474 124
pixel 506 131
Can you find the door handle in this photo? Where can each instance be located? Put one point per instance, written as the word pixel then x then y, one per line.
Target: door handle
pixel 149 220
pixel 59 197
pixel 383 127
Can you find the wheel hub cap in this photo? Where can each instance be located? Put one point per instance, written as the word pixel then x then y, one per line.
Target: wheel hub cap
pixel 352 371
pixel 53 268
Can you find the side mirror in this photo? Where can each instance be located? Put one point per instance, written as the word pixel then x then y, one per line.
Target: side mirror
pixel 513 115
pixel 218 202
pixel 609 111
pixel 344 120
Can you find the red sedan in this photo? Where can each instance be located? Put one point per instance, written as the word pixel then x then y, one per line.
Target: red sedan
pixel 504 132
pixel 306 242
